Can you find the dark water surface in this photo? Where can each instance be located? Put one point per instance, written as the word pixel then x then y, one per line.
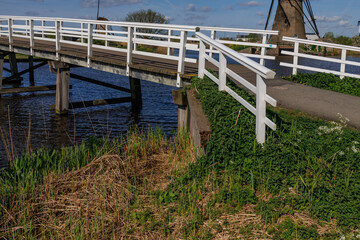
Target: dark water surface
pixel 47 129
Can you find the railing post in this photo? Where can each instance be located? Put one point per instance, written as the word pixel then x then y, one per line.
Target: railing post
pixel 222 71
pixel 296 57
pixel 90 43
pixel 42 28
pixel 130 46
pixel 263 50
pixel 1 28
pixel 343 62
pixel 82 32
pixel 201 59
pixel 10 28
pixel 260 109
pixel 213 36
pixel 106 35
pixel 132 39
pixel 169 40
pixel 182 53
pixel 57 34
pixel 31 37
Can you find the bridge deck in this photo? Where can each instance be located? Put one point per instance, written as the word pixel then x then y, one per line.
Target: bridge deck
pixel 152 69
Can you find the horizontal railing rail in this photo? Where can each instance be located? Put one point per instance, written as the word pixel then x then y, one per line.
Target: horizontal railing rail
pixel 262 74
pixel 342 61
pixel 127 37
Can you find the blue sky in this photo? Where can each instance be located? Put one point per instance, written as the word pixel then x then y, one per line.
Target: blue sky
pixel 338 16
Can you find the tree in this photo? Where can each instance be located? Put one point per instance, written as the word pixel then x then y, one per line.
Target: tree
pixel 147 16
pixel 329 35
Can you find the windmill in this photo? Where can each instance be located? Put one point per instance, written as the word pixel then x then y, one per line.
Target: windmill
pixel 289 19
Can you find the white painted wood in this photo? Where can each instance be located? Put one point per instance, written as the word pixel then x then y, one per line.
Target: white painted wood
pixel 32 37
pixel 212 60
pixel 313 69
pixel 260 109
pixel 10 23
pixel 163 56
pixel 327 59
pixel 130 46
pixel 57 38
pixel 323 44
pixel 222 72
pixel 296 58
pixel 201 60
pixel 169 41
pixel 250 44
pixel 82 32
pixel 263 50
pixel 240 58
pixel 343 65
pixel 42 28
pixel 213 36
pixel 182 52
pixel 211 76
pixel 90 43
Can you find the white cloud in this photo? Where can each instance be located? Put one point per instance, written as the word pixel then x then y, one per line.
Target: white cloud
pixel 108 3
pixel 328 19
pixel 191 7
pixel 260 13
pixel 251 4
pixel 204 9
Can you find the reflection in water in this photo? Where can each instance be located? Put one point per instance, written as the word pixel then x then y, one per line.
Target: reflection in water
pixel 50 130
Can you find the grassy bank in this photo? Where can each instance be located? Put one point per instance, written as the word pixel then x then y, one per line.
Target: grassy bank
pixel 100 189
pixel 303 183
pixel 327 81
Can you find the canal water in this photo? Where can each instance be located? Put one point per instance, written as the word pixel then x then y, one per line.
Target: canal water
pixel 27 115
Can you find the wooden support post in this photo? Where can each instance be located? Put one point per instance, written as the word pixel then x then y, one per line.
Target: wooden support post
pixel 14 68
pixel 31 73
pixel 135 88
pixel 130 48
pixel 263 50
pixel 62 88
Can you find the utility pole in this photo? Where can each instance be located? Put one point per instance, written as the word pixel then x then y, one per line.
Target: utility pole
pixel 98 8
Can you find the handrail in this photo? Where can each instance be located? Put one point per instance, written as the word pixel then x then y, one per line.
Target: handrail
pixel 342 61
pixel 38 28
pixel 262 74
pixel 247 62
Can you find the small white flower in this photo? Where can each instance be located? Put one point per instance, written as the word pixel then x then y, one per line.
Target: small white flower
pixel 341 153
pixel 343 238
pixel 355 150
pixel 355 142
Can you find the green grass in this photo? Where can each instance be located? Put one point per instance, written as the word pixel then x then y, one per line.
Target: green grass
pixel 303 183
pixel 305 167
pixel 328 81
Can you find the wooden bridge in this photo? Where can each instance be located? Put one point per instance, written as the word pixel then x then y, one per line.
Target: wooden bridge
pixel 165 54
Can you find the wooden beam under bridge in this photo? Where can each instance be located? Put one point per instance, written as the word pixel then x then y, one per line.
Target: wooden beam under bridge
pixel 25 71
pixel 98 102
pixel 104 84
pixel 29 89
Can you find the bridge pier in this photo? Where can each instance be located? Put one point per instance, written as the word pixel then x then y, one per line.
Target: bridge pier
pixel 135 90
pixel 15 76
pixel 62 87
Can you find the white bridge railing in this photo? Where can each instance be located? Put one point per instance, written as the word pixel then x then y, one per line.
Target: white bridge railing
pixel 131 38
pixel 343 62
pixel 128 37
pixel 262 73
